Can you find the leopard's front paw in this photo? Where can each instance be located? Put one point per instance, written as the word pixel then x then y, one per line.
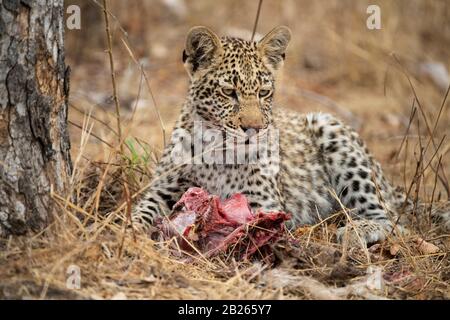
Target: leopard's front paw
pixel 360 233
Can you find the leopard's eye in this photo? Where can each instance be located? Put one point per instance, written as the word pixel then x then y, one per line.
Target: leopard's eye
pixel 229 92
pixel 263 93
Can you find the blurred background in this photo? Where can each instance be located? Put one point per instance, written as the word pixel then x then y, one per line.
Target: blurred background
pixel 369 78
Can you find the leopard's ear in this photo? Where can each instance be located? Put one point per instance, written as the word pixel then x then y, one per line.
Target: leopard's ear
pixel 273 47
pixel 202 47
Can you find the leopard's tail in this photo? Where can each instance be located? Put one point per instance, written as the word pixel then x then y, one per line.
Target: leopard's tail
pixel 439 211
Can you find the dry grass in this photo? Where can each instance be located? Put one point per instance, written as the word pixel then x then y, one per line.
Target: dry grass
pixel 370 79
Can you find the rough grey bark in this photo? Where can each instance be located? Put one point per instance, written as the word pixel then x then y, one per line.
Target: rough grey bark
pixel 34 141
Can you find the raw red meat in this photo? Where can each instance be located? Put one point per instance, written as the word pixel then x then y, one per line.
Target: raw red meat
pixel 203 222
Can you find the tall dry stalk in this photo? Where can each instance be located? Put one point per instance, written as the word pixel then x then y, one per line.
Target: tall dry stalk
pixel 119 126
pixel 113 73
pixel 255 25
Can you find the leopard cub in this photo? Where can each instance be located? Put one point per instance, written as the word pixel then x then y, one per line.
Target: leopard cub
pixel 318 164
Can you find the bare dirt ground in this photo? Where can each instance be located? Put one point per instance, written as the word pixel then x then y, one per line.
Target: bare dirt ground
pixel 377 81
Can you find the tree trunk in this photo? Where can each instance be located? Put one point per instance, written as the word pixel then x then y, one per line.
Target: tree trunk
pixel 34 141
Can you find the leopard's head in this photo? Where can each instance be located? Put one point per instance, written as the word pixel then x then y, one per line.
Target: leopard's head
pixel 233 80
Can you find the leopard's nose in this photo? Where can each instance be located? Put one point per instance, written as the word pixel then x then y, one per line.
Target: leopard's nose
pixel 251 119
pixel 250 130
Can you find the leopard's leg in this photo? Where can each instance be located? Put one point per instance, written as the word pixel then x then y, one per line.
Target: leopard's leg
pixel 171 179
pixel 263 193
pixel 356 178
pixel 158 200
pixel 168 185
pixel 261 181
